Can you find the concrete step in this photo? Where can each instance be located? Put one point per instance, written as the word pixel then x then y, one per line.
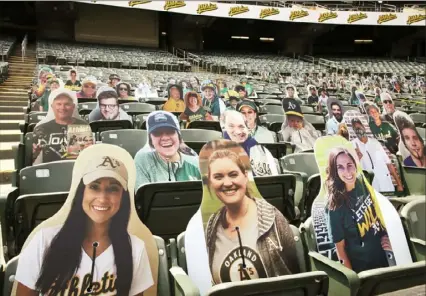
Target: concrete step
pixel 10 135
pixel 11 124
pixel 6 150
pixel 11 115
pixel 22 103
pixel 12 109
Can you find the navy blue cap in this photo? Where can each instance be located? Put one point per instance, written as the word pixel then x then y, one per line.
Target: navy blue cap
pixel 161 119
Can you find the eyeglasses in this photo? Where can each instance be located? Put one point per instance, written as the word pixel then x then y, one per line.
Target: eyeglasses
pixel 109 106
pixel 125 89
pixel 387 102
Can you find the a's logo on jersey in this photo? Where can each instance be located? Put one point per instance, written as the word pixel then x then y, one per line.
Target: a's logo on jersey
pixel 232 270
pixel 291 106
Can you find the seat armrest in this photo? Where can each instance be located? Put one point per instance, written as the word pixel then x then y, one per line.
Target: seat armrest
pixel 343 281
pixel 183 285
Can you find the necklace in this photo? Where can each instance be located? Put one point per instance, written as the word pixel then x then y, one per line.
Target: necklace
pixel 245 213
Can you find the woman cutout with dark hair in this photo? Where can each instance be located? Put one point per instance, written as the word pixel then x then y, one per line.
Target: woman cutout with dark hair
pixel 353 224
pixel 92 252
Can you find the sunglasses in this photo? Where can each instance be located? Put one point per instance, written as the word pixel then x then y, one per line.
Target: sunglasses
pixel 387 102
pixel 125 89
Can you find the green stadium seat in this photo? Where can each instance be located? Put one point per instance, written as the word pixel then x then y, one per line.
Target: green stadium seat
pixel 344 281
pixel 413 216
pixel 170 201
pixel 137 108
pixel 304 164
pixel 132 140
pixel 197 138
pixel 107 125
pixel 204 124
pixel 304 283
pixel 317 121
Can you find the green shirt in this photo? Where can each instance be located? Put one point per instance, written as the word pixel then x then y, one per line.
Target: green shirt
pixel 385 132
pixel 44 100
pixel 359 226
pixel 151 168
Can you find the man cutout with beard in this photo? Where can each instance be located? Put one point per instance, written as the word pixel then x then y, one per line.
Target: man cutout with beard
pixel 336 116
pixel 108 108
pixel 373 157
pixel 388 107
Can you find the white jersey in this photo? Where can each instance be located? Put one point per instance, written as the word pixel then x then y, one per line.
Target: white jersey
pixel 375 159
pixel 104 276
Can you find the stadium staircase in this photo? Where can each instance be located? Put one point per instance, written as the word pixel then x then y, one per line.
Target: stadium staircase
pixel 13 106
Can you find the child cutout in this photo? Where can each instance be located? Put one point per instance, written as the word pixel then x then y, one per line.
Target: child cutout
pixel 245 237
pixel 412 147
pixel 353 223
pixel 95 243
pixel 175 102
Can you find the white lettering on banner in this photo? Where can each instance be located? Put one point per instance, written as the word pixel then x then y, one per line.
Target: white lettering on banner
pixel 284 14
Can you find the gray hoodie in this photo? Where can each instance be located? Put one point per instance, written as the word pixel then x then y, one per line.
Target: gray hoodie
pixel 275 241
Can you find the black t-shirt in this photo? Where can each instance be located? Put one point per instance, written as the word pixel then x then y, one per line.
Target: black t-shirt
pixel 313 100
pixel 52 138
pixel 359 226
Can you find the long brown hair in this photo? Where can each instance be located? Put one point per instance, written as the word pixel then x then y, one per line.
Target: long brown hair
pixel 335 186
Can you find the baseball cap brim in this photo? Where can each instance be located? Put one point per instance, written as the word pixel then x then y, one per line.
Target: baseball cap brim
pixel 98 174
pixel 294 113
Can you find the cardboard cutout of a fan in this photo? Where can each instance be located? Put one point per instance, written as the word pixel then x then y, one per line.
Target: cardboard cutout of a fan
pixel 62 134
pixel 373 155
pixel 236 235
pixel 411 146
pixel 353 223
pixel 381 129
pixel 95 243
pixel 165 156
pixel 235 129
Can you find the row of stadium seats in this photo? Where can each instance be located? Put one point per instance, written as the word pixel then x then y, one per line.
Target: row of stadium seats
pixel 44 188
pixel 110 56
pixel 6 44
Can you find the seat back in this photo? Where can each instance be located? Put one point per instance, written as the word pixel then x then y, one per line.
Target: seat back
pixel 171 201
pixel 200 135
pixel 279 150
pixel 280 192
pixel 206 125
pixel 86 108
pixel 107 125
pixel 273 109
pixel 305 284
pixel 137 108
pixel 300 162
pixel 415 180
pixel 414 215
pixel 32 209
pixel 316 120
pixel 130 139
pixel 46 177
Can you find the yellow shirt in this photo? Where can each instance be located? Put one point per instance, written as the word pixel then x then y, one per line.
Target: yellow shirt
pixel 173 105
